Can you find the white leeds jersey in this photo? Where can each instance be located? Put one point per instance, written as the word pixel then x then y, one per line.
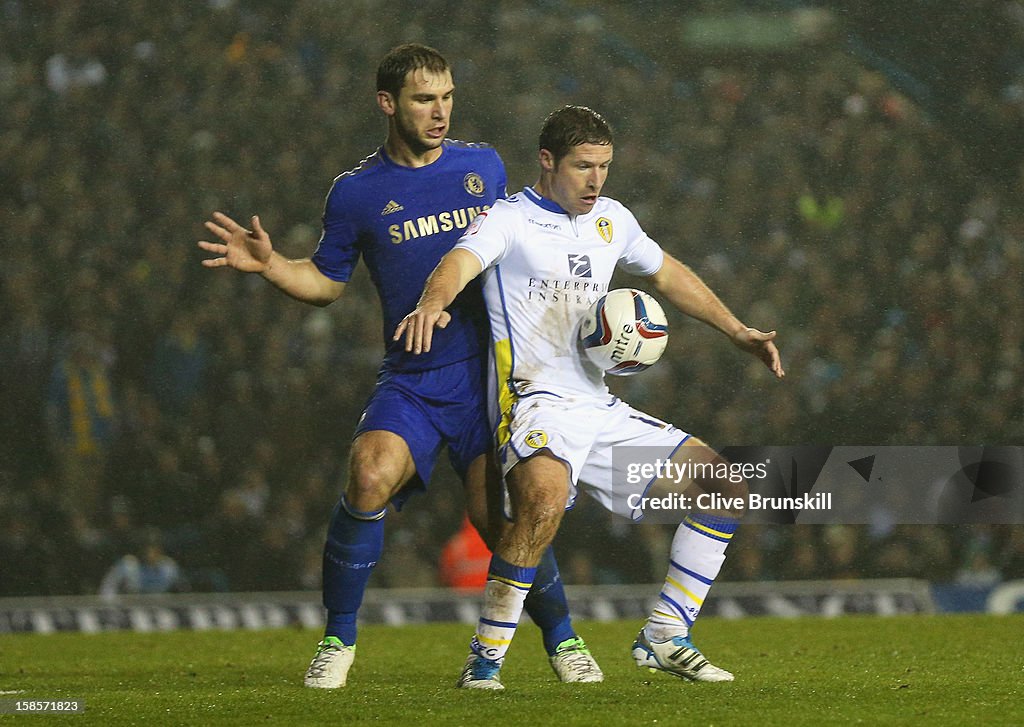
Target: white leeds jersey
pixel 542 270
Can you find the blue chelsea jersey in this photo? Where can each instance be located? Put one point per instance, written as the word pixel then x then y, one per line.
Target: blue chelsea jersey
pixel 401 221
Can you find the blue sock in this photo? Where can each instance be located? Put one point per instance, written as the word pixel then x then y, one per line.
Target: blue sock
pixel 546 603
pixel 355 541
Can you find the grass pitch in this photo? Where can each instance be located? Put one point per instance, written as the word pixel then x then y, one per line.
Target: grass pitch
pixel 901 670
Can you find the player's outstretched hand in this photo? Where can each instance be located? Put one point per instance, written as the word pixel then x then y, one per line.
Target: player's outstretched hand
pixel 242 249
pixel 418 328
pixel 762 345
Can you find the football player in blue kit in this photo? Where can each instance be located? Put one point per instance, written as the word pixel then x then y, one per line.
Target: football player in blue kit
pixel 401 209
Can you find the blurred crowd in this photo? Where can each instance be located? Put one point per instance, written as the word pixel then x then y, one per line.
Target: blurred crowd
pixel 160 411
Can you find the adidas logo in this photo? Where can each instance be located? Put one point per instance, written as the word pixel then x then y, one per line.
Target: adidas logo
pixel 390 207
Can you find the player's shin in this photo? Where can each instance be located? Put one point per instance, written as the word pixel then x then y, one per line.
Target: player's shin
pixel 354 544
pixel 695 559
pixel 546 604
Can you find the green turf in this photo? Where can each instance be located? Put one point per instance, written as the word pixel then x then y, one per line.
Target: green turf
pixel 906 670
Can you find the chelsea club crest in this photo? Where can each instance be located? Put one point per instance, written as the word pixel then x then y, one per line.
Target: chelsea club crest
pixel 474 184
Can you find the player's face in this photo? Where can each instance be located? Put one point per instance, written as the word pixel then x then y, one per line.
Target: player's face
pixel 423 109
pixel 576 181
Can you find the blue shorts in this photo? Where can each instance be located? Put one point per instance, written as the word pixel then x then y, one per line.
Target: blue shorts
pixel 431 409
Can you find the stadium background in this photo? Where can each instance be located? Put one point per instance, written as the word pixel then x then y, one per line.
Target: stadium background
pixel 852 178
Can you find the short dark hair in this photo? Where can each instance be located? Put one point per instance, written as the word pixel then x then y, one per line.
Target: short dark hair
pixel 395 66
pixel 571 126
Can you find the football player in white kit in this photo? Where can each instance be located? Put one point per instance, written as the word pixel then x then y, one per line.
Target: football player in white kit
pixel 546 254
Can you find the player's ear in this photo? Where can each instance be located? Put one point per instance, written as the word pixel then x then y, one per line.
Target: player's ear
pixel 386 102
pixel 547 160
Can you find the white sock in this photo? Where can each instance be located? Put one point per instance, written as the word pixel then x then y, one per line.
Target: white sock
pixel 696 557
pixel 506 590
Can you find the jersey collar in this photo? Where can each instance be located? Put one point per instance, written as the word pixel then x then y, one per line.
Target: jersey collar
pixel 395 165
pixel 544 202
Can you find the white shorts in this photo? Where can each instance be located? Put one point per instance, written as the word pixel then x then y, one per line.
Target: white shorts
pixel 583 432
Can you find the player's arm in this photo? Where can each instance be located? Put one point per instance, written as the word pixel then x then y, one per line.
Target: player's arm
pixel 451 275
pixel 251 251
pixel 686 291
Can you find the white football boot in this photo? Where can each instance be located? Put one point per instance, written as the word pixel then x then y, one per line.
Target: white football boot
pixel 480 673
pixel 574 664
pixel 677 656
pixel 330 665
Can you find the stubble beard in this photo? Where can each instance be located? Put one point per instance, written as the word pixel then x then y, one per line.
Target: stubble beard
pixel 416 144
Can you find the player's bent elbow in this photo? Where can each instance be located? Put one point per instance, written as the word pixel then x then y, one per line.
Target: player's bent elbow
pixel 328 292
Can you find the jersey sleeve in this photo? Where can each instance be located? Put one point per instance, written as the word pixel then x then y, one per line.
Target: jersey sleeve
pixel 490 235
pixel 641 255
pixel 336 254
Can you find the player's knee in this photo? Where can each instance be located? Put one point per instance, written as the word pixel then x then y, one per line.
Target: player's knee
pixel 540 504
pixel 726 495
pixel 370 486
pixel 536 520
